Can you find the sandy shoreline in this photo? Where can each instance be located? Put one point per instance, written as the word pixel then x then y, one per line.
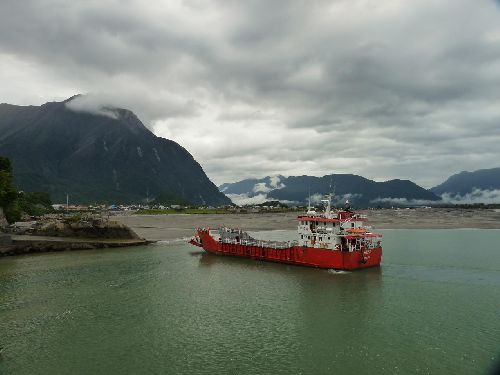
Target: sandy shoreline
pixel 170 227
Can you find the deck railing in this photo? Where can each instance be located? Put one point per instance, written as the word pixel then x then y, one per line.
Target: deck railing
pixel 261 243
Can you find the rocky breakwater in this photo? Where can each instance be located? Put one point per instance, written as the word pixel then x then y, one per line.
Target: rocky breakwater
pixel 67 233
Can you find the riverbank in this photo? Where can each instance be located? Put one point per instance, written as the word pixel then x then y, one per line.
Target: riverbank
pixel 170 227
pixel 62 233
pixel 134 230
pixel 26 244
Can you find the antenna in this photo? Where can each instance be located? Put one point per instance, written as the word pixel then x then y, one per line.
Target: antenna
pixel 309 210
pixel 309 201
pixel 334 187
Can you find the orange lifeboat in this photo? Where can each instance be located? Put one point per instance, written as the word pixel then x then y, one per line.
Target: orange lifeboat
pixel 357 231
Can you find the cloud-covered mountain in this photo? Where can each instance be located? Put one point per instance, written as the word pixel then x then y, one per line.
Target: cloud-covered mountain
pixel 97 155
pixel 253 186
pixel 481 186
pixel 360 191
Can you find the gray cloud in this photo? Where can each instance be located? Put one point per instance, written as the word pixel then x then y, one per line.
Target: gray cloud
pixel 382 89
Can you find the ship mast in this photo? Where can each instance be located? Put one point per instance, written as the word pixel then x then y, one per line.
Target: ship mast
pixel 309 210
pixel 328 208
pixel 328 201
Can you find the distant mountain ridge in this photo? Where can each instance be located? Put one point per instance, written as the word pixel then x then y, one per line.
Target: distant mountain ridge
pixel 254 185
pixel 106 157
pixel 466 182
pixel 361 191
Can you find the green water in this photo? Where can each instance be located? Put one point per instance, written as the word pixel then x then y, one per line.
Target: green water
pixel 432 308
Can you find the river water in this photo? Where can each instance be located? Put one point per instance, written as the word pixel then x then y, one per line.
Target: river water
pixel 432 308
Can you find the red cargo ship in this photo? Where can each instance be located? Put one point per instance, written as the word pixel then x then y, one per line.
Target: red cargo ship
pixel 337 239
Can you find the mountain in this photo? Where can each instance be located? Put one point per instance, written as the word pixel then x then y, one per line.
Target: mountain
pixel 105 156
pixel 466 182
pixel 252 185
pixel 361 191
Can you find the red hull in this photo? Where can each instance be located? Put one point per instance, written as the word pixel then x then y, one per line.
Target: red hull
pixel 303 256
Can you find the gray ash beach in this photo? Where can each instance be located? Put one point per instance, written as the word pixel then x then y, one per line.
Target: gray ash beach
pixel 134 230
pixel 177 226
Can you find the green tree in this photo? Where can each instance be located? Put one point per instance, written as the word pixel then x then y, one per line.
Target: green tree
pixel 34 204
pixel 14 203
pixel 8 193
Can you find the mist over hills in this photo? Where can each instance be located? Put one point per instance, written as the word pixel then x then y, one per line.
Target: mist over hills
pixel 361 191
pixel 107 156
pixel 481 186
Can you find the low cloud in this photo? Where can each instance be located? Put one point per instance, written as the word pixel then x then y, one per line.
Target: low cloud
pixel 93 105
pixel 402 201
pixel 476 196
pixel 245 200
pixel 149 108
pixel 276 182
pixel 316 198
pixel 337 199
pixel 263 187
pixel 341 199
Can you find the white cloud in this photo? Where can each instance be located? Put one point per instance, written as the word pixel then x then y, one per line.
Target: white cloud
pixel 263 187
pixel 403 201
pixel 476 196
pixel 91 104
pixel 244 199
pixel 340 200
pixel 315 198
pixel 276 183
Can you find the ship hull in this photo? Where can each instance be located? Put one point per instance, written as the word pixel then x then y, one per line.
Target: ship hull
pixel 297 255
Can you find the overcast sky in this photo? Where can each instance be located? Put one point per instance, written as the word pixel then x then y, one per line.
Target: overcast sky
pixel 384 89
